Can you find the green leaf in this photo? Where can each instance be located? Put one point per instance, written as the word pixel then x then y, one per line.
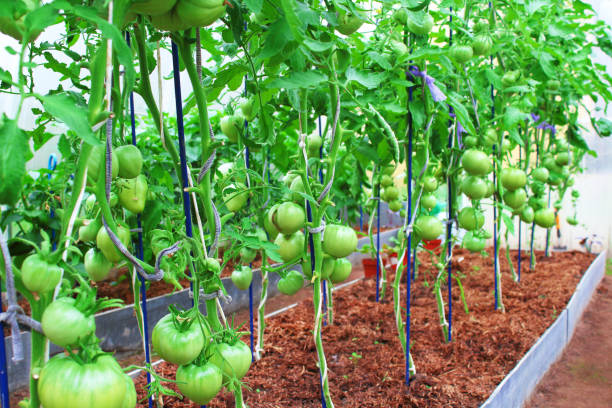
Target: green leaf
pixel 254 5
pixel 462 113
pixel 513 116
pixel 508 222
pixel 13 153
pixel 295 80
pixel 67 110
pixel 317 46
pixel 368 79
pixel 295 24
pixel 604 127
pixel 39 19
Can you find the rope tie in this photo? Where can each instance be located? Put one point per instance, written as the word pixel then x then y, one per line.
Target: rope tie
pixel 214 295
pixel 207 165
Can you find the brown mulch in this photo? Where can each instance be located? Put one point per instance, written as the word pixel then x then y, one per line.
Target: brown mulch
pixel 364 355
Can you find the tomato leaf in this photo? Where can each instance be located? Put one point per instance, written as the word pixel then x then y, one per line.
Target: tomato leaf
pixel 254 5
pixel 295 80
pixel 67 110
pixel 368 79
pixel 13 156
pixel 462 113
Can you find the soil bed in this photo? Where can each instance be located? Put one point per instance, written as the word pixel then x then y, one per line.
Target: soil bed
pixel 366 366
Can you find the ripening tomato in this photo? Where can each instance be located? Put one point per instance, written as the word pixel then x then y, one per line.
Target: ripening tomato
pixel 178 343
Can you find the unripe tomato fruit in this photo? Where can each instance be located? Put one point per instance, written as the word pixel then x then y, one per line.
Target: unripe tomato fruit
pixel 289 218
pixel 428 227
pixel 133 194
pixel 348 23
pixel 470 218
pixel 390 193
pixel 64 324
pixel 545 217
pixel 64 383
pixel 527 214
pixel 293 281
pixel 419 23
pixel 199 383
pixel 395 205
pixel 515 199
pixel 342 270
pixel 152 7
pixel 513 178
pixel 339 240
pixel 233 360
pixel 476 162
pixel 313 144
pixel 430 184
pixel 562 159
pixel 242 277
pixel 461 53
pixel 429 201
pixel 540 174
pixel 178 345
pixel 473 243
pixel 38 276
pixel 386 181
pixel 231 126
pixel 290 246
pixel 96 265
pixel 482 44
pixel 474 187
pixel 235 196
pixel 104 243
pixel 247 255
pixel 200 13
pixel 129 159
pixel 96 164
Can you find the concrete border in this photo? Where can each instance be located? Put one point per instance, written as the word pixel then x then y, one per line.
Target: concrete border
pixel 517 386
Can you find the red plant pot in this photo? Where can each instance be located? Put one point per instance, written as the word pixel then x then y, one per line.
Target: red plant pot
pixel 433 244
pixel 369 267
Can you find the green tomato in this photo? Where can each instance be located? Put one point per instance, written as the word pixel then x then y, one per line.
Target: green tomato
pixel 247 255
pixel 490 188
pixel 510 78
pixel 482 44
pixel 395 205
pixel 169 21
pixel 389 169
pixel 430 184
pixel 527 214
pixel 297 186
pixel 64 324
pixel 89 230
pixel 473 243
pixel 290 246
pixel 471 218
pixel 199 383
pixel 490 137
pixel 540 174
pixel 231 126
pixel 242 277
pixel 461 53
pixel 269 224
pixel 289 218
pixel 572 221
pixel 104 243
pixel 342 270
pixel 96 265
pixel 515 199
pixel 399 48
pixel 400 16
pixel 545 217
pixel 246 107
pixel 474 187
pixel 152 7
pixel 506 145
pixel 390 193
pixel 200 13
pixel 133 194
pixel 130 161
pixel 327 267
pixel 64 383
pixel 419 23
pixel 233 360
pixel 476 162
pixel 348 23
pixel 470 141
pixel 428 227
pixel 339 240
pixel 313 144
pixel 39 276
pixel 554 180
pixel 235 197
pixel 553 85
pixel 562 159
pixel 292 282
pixel 212 265
pixel 386 181
pixel 513 178
pixel 429 201
pixel 97 164
pixel 575 193
pixel 178 343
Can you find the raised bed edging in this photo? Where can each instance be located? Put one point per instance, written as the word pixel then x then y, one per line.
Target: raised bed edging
pixel 118 329
pixel 518 385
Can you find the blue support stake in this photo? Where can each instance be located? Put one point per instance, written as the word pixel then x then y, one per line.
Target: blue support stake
pixel 409 272
pixel 181 137
pixel 495 265
pixel 519 230
pixel 51 165
pixel 140 255
pixel 378 247
pixel 4 387
pixel 321 180
pixel 548 230
pixel 449 225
